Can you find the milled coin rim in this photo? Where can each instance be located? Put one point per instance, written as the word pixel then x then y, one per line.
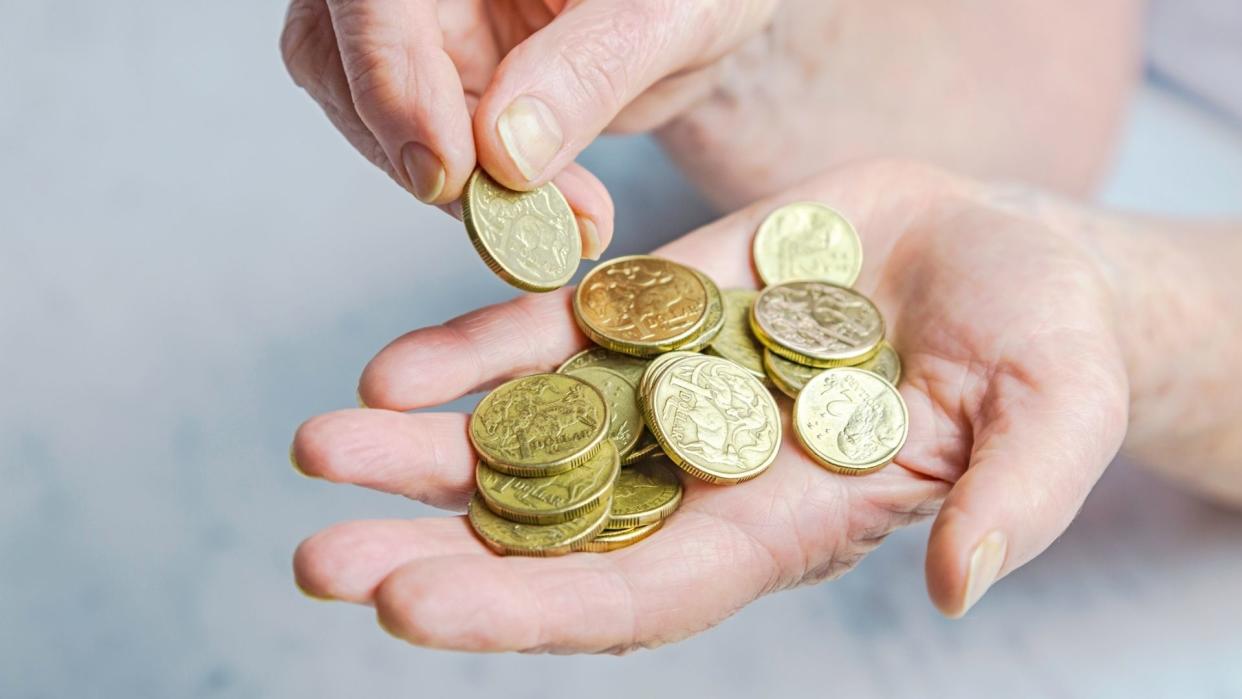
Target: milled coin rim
pixel 570 545
pixel 713 323
pixel 838 359
pixel 638 349
pixel 642 449
pixel 822 459
pixel 555 515
pixel 493 262
pixel 607 541
pixel 690 467
pixel 656 514
pixel 765 225
pixel 543 468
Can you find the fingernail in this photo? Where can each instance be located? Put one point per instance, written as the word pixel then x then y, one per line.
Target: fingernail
pixel 358 397
pixel 424 171
pixel 293 460
pixel 592 248
pixel 985 564
pixel 530 135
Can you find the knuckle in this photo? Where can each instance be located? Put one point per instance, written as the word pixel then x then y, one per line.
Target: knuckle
pixel 602 60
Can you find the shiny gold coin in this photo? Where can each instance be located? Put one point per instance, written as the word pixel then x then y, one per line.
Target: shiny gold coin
pixel 714 419
pixel 850 420
pixel 817 323
pixel 625 419
pixel 613 539
pixel 550 499
pixel 517 539
pixel 529 239
pixel 735 341
pixel 630 367
pixel 654 368
pixel 807 240
pixel 646 492
pixel 789 377
pixel 885 363
pixel 539 425
pixel 647 446
pixel 641 305
pixel 714 321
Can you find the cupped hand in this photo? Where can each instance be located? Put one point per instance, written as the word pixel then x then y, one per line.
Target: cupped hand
pixel 1017 398
pixel 424 88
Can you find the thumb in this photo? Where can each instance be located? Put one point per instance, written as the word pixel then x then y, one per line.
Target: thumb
pixel 1038 452
pixel 557 90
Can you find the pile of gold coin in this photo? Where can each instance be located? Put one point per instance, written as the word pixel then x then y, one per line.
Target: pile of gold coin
pixel 587 458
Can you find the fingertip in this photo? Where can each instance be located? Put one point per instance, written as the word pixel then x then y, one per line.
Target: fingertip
pixel 593 208
pixel 962 563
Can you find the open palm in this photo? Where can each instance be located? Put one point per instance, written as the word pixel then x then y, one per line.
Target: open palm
pixel 1015 386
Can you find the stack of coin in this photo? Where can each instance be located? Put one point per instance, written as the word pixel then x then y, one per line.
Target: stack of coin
pixel 586 459
pixel 549 475
pixel 823 342
pixel 529 239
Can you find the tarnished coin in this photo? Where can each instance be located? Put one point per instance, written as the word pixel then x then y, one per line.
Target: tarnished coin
pixel 850 420
pixel 713 321
pixel 517 539
pixel 630 367
pixel 807 240
pixel 539 425
pixel 625 417
pixel 789 377
pixel 817 323
pixel 640 305
pixel 885 363
pixel 646 492
pixel 713 419
pixel 613 539
pixel 529 239
pixel 647 446
pixel 550 499
pixel 735 341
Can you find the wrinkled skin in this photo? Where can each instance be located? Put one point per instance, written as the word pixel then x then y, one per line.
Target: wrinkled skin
pixel 985 299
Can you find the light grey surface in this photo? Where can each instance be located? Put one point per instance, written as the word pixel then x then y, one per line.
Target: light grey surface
pixel 192 262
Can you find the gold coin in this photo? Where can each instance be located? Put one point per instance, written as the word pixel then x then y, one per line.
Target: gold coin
pixel 517 539
pixel 529 239
pixel 817 323
pixel 631 368
pixel 850 420
pixel 806 240
pixel 641 305
pixel 613 539
pixel 713 419
pixel 713 322
pixel 646 492
pixel 735 341
pixel 789 377
pixel 550 499
pixel 539 425
pixel 647 445
pixel 625 419
pixel 654 368
pixel 885 363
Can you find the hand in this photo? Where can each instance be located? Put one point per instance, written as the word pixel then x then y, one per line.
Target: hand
pixel 401 80
pixel 1017 397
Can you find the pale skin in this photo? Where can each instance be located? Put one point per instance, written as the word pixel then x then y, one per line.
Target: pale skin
pixel 748 96
pixel 1036 339
pixel 1036 335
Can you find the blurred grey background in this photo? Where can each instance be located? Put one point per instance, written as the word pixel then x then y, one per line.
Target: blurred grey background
pixel 192 262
